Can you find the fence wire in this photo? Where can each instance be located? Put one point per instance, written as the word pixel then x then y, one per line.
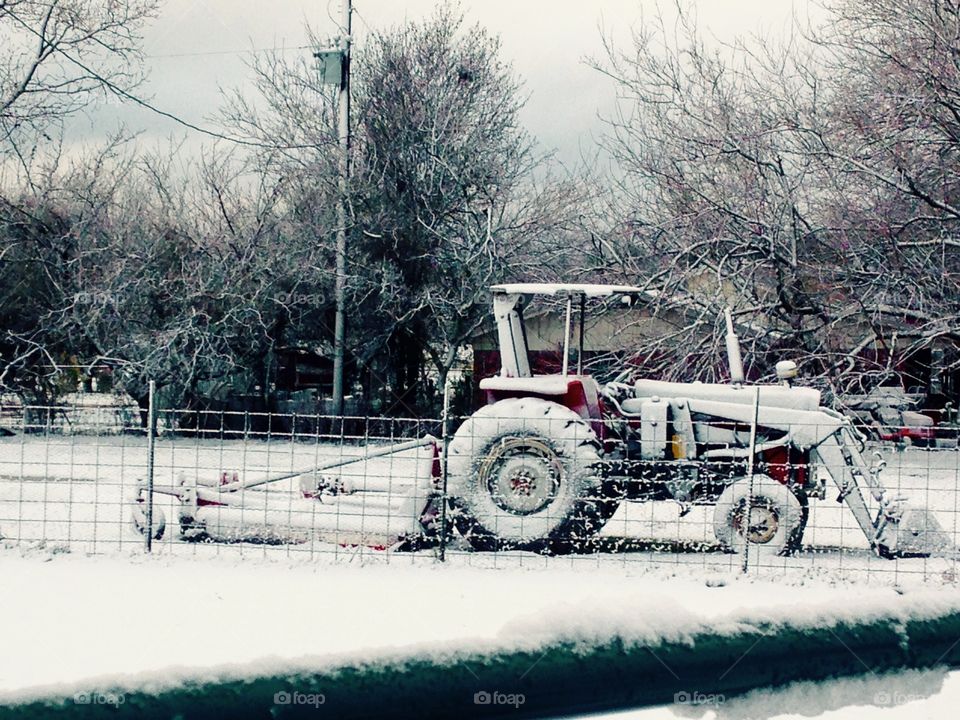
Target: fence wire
pixel 521 489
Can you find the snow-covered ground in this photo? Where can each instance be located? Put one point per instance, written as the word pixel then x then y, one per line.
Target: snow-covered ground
pixel 102 621
pixel 72 493
pixel 83 605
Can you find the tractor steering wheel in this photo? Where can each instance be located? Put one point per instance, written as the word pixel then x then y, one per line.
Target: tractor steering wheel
pixel 617 390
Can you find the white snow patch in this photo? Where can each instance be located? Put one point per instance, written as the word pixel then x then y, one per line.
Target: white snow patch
pixel 157 621
pixel 73 492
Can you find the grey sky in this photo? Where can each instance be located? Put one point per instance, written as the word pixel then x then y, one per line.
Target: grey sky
pixel 197 46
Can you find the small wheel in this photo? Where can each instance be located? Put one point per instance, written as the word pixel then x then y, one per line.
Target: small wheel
pixel 526 473
pixel 138 516
pixel 771 519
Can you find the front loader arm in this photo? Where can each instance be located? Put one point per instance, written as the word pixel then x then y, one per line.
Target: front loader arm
pixel 843 461
pixel 898 530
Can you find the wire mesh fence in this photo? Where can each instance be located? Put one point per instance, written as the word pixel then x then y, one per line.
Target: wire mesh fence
pixel 521 485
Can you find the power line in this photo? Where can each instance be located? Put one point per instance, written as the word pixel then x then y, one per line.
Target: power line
pixel 373 31
pixel 120 92
pixel 252 51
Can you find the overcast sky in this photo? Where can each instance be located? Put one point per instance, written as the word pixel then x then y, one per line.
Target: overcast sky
pixel 196 47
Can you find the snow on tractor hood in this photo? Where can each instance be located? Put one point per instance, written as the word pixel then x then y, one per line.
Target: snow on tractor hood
pixel 792 398
pixel 587 290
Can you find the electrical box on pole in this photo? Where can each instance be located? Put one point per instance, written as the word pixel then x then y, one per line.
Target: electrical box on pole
pixel 329 65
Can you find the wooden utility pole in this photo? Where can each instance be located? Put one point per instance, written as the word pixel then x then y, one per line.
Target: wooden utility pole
pixel 343 110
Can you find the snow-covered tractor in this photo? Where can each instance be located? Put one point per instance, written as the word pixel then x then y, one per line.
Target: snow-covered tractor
pixel 550 458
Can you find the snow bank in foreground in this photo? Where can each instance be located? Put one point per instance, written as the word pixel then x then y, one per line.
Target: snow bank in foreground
pixel 143 621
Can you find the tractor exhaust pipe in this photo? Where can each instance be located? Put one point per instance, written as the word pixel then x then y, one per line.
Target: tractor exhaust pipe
pixel 734 358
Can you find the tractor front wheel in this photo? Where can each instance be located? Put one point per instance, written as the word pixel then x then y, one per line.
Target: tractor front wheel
pixel 765 514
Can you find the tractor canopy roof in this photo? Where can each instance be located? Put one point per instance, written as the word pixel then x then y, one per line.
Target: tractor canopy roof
pixel 566 289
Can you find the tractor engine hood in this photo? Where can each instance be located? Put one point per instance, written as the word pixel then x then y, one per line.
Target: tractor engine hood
pixel 793 398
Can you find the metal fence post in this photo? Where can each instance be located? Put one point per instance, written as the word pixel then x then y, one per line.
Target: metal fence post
pixel 151 431
pixel 445 436
pixel 750 471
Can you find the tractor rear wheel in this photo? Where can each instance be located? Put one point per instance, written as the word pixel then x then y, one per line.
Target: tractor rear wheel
pixel 526 473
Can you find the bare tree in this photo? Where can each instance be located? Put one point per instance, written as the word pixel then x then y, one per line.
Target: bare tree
pixel 59 55
pixel 715 208
pixel 796 181
pixel 202 278
pixel 448 203
pixel 56 57
pixel 892 76
pixel 194 279
pixel 444 199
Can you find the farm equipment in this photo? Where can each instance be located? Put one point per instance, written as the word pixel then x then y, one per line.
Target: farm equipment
pixel 375 509
pixel 549 459
pixel 889 414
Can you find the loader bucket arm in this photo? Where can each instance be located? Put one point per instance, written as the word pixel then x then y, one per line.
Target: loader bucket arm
pixel 844 463
pixel 897 530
